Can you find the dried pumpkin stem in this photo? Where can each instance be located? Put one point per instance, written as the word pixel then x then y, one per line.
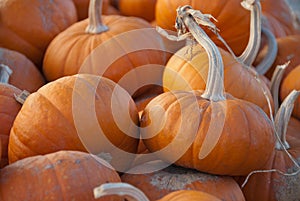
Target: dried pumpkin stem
pixel 5 73
pixel 250 52
pixel 282 119
pixel 95 20
pixel 125 190
pixel 271 55
pixel 275 84
pixel 214 90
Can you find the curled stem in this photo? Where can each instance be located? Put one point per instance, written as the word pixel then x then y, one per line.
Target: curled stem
pixel 5 73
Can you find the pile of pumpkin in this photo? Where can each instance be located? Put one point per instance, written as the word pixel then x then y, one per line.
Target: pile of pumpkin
pixel 92 94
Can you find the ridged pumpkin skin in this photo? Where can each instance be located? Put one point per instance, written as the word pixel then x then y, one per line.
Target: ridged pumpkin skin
pixel 288 48
pixel 188 195
pixel 69 111
pixel 158 184
pixel 230 137
pixel 78 47
pixel 64 175
pixel 274 186
pixel 290 83
pixel 29 30
pixel 8 112
pixel 25 74
pixel 228 13
pixel 139 8
pixel 183 73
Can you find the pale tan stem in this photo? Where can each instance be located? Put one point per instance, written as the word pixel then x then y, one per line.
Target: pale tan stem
pixel 275 84
pixel 250 52
pixel 282 119
pixel 20 98
pixel 214 90
pixel 5 73
pixel 125 190
pixel 271 55
pixel 95 20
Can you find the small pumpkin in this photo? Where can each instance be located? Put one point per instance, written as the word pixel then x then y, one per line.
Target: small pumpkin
pixel 104 122
pixel 292 82
pixel 207 130
pixel 228 14
pixel 24 74
pixel 30 30
pixel 132 193
pixel 113 49
pixel 139 8
pixel 159 183
pixel 8 110
pixel 63 175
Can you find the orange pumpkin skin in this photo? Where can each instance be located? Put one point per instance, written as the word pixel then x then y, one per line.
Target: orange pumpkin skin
pixel 188 195
pixel 228 13
pixel 64 175
pixel 234 152
pixel 288 48
pixel 29 30
pixel 277 187
pixel 158 184
pixel 8 112
pixel 79 45
pixel 139 8
pixel 183 73
pixel 279 18
pixel 48 117
pixel 25 74
pixel 290 83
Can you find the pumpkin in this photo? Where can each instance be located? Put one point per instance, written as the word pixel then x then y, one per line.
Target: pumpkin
pixel 159 183
pixel 132 193
pixel 117 47
pixel 139 8
pixel 291 82
pixel 63 175
pixel 25 74
pixel 281 182
pixel 80 112
pixel 8 110
pixel 29 30
pixel 228 14
pixel 207 130
pixel 288 48
pixel 278 18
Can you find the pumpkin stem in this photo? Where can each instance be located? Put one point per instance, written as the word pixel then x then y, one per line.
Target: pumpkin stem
pixel 250 52
pixel 95 20
pixel 271 55
pixel 282 119
pixel 275 84
pixel 125 190
pixel 188 19
pixel 20 98
pixel 5 73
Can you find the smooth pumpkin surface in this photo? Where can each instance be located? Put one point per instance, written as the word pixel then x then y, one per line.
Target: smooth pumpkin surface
pixel 67 114
pixel 29 26
pixel 189 196
pixel 63 175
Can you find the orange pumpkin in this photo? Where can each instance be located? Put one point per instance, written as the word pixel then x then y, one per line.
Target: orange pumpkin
pixel 8 110
pixel 63 175
pixel 277 186
pixel 209 131
pixel 158 184
pixel 291 82
pixel 138 8
pixel 228 13
pixel 132 193
pixel 81 112
pixel 29 26
pixel 113 50
pixel 25 74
